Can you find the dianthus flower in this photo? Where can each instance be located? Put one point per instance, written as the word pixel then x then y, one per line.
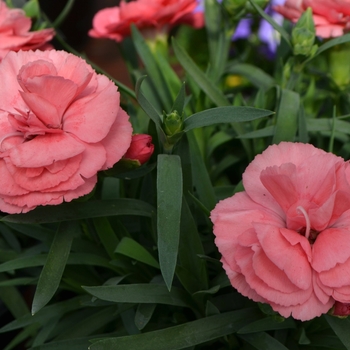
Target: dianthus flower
pixel 60 123
pixel 285 240
pixel 150 16
pixel 15 32
pixel 331 17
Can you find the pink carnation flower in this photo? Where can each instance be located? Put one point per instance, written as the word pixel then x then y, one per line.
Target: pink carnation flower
pixel 147 15
pixel 15 32
pixel 60 123
pixel 285 241
pixel 331 17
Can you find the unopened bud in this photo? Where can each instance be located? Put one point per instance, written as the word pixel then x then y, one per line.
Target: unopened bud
pixel 303 35
pixel 141 148
pixel 173 123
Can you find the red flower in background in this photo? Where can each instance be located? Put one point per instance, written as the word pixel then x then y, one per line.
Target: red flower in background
pixel 15 32
pixel 331 17
pixel 285 240
pixel 60 123
pixel 141 148
pixel 159 15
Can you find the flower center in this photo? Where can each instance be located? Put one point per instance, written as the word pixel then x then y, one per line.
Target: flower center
pixel 309 233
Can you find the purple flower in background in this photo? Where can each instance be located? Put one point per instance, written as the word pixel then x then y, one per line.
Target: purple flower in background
pixel 266 33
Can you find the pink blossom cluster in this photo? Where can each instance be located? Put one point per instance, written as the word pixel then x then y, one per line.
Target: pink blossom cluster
pixel 147 15
pixel 331 17
pixel 15 32
pixel 60 123
pixel 285 240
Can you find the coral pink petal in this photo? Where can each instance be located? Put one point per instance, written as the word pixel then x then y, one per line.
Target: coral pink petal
pixel 287 257
pixel 45 150
pixel 11 188
pixel 118 140
pixel 279 182
pixel 326 252
pixel 58 91
pixel 93 159
pixel 46 180
pixel 273 276
pixel 81 190
pixel 338 276
pixel 244 257
pixel 88 124
pixel 305 311
pixel 43 109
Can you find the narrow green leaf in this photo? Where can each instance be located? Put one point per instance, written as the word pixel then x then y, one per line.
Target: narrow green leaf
pixel 274 24
pixel 330 43
pixel 40 259
pixel 169 200
pixel 145 104
pixel 254 74
pixel 182 336
pixel 143 315
pixel 71 344
pixel 106 234
pixel 89 324
pixel 152 67
pixel 82 210
pixel 172 80
pixel 268 324
pixel 231 114
pixel 287 116
pixel 201 179
pixel 140 293
pixel 302 126
pixel 52 271
pixel 262 339
pixel 135 250
pixel 47 313
pixel 13 299
pixel 213 92
pixel 179 103
pixel 341 328
pixel 189 248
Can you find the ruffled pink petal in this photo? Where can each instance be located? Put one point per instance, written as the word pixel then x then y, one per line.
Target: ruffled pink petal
pixel 336 277
pixel 304 311
pixel 93 159
pixel 57 91
pixel 45 150
pixel 326 252
pixel 88 186
pixel 291 259
pixel 274 155
pixel 279 182
pixel 11 188
pixel 244 257
pixel 45 180
pixel 272 275
pixel 118 140
pixel 43 109
pixel 90 118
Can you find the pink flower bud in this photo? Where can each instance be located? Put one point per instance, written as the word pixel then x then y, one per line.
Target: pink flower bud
pixel 141 148
pixel 341 309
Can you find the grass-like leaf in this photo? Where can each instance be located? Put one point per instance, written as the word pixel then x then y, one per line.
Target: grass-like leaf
pixel 169 200
pixel 82 210
pixel 231 114
pixel 52 271
pixel 184 335
pixel 199 77
pixel 287 116
pixel 135 250
pixel 140 293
